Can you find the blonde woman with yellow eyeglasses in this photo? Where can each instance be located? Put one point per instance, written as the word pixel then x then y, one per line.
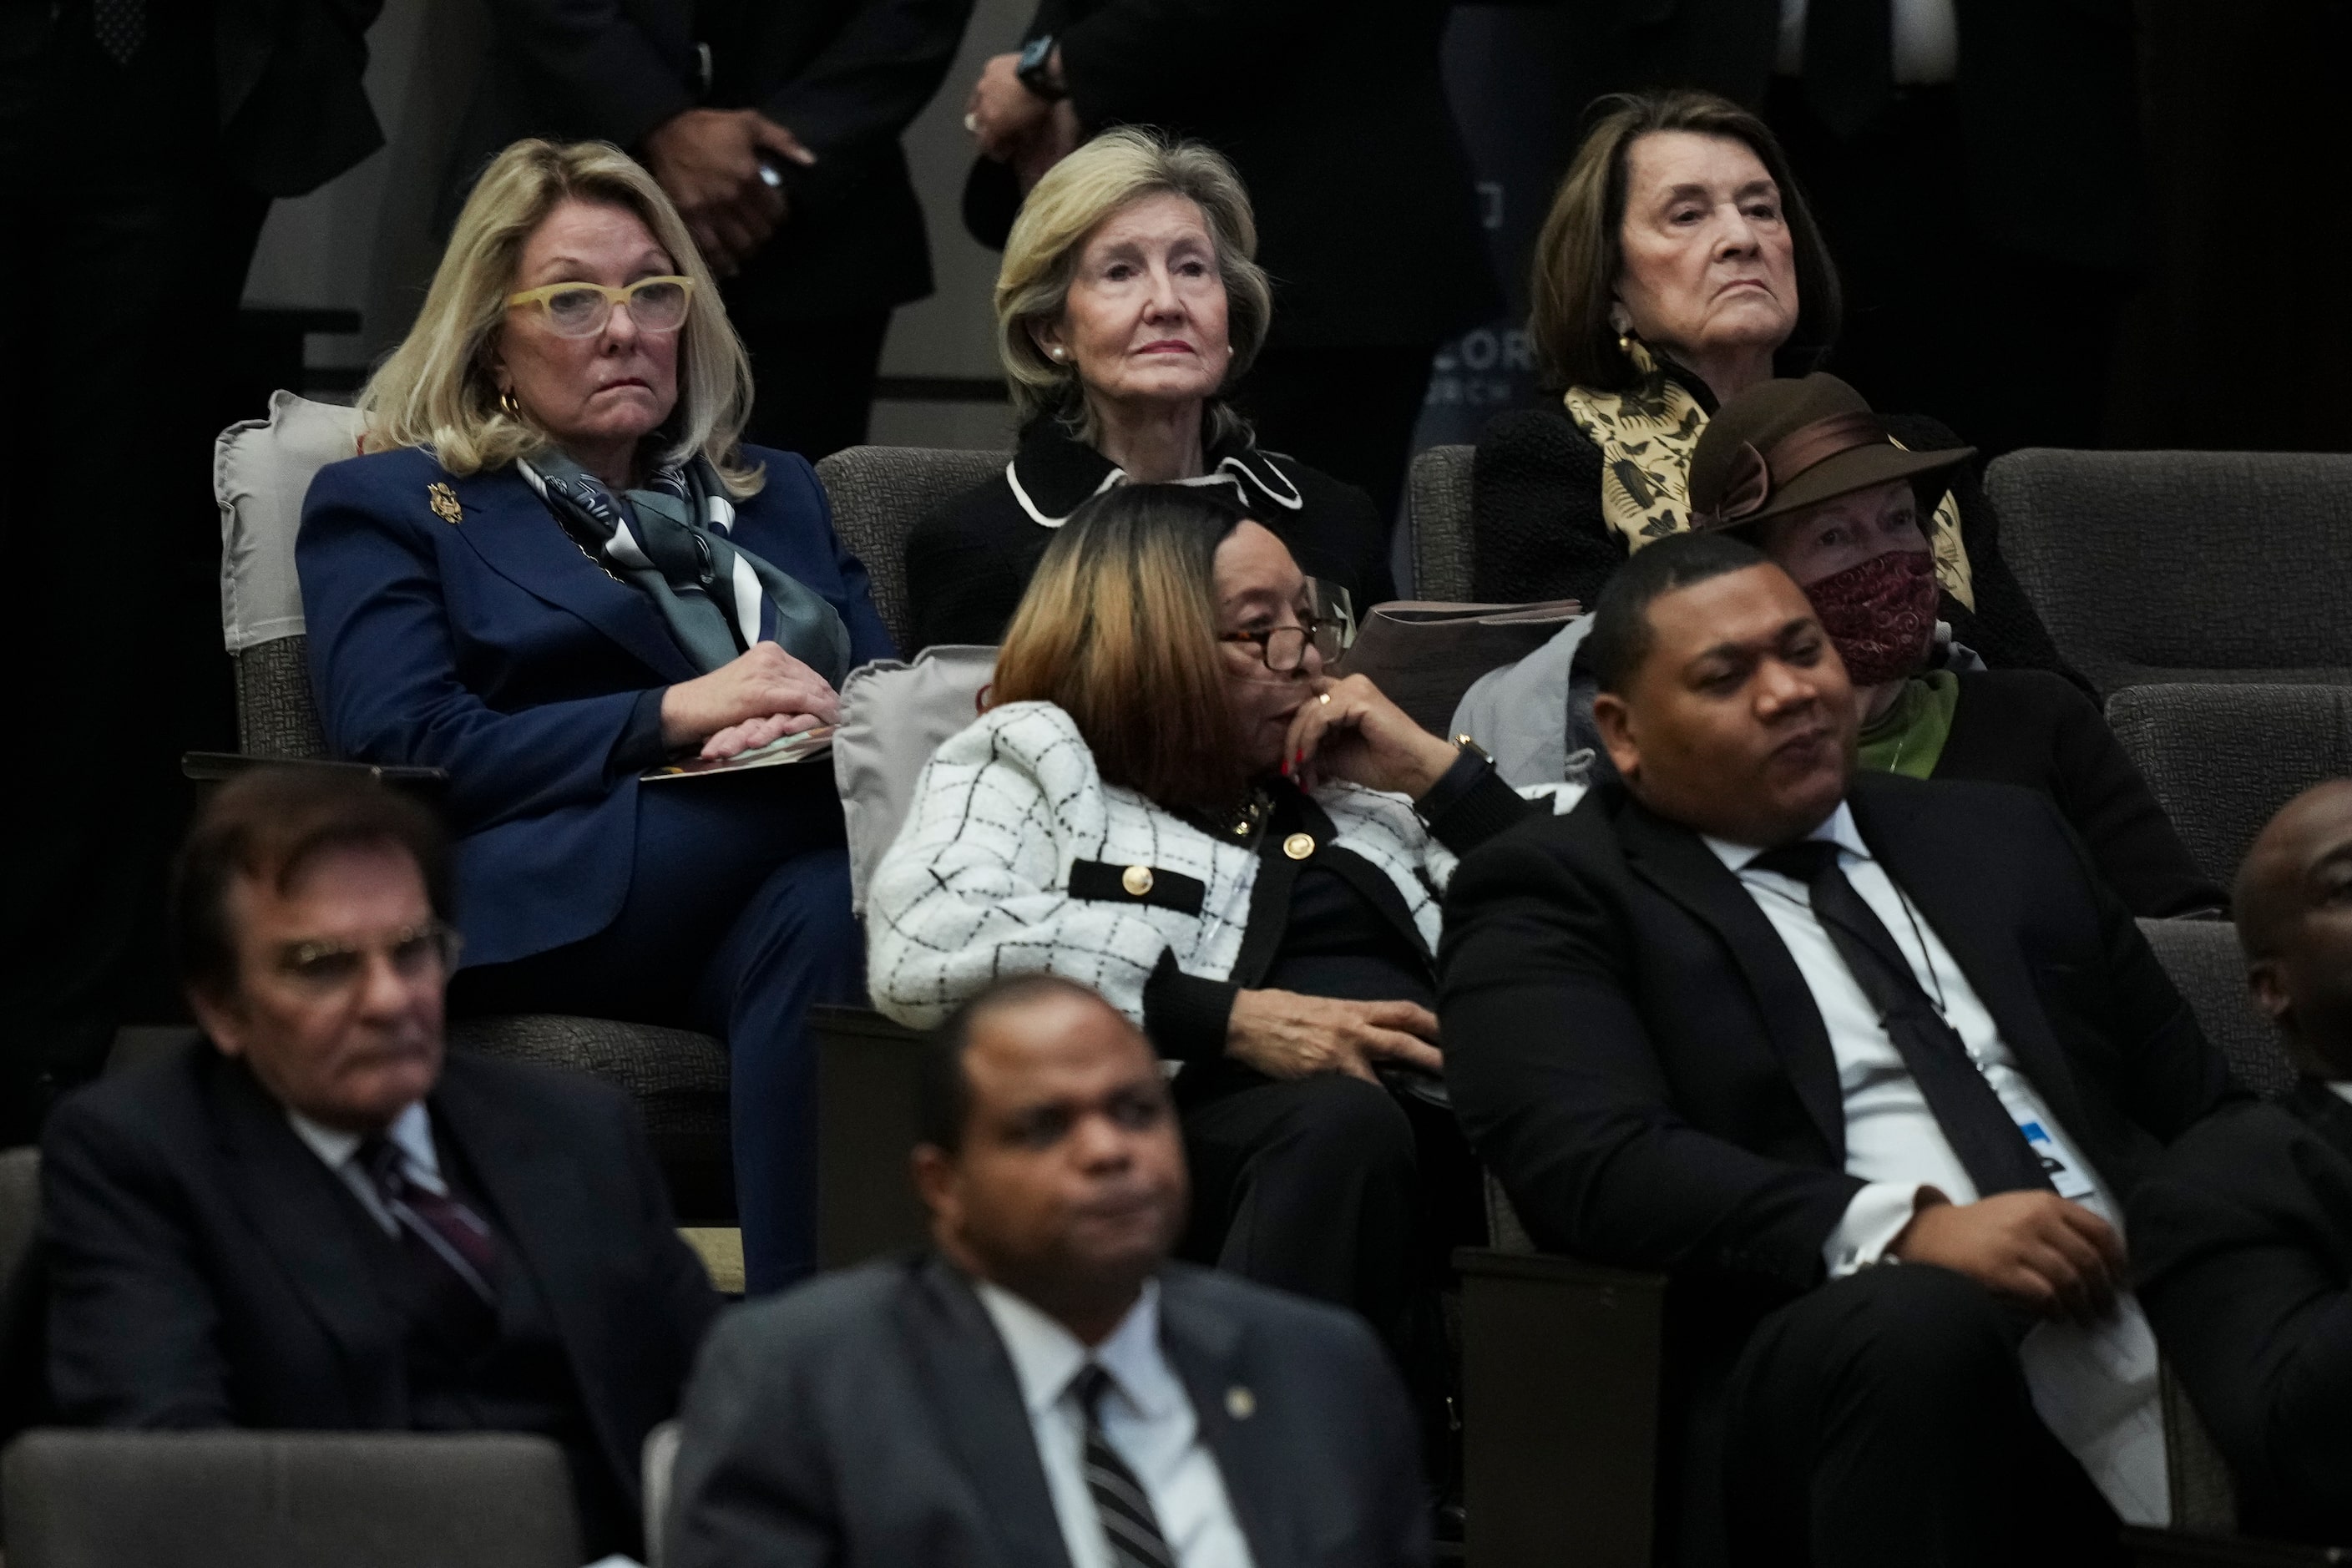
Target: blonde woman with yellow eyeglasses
pixel 556 566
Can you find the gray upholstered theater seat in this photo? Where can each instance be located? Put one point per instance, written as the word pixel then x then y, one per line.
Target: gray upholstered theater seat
pixel 879 493
pixel 261 469
pixel 2222 759
pixel 287 1500
pixel 2208 968
pixel 1438 514
pixel 2185 567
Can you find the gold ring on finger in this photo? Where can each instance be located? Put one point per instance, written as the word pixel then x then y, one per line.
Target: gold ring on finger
pixel 1324 698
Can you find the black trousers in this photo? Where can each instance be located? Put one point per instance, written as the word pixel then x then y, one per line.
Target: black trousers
pixel 1938 318
pixel 120 350
pixel 1328 1186
pixel 815 379
pixel 1885 1418
pixel 1350 412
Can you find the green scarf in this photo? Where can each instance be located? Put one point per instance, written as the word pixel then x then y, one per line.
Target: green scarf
pixel 1909 737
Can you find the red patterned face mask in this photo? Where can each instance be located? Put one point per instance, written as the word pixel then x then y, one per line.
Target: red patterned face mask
pixel 1880 615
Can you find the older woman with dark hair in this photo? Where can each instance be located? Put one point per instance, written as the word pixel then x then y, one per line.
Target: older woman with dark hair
pixel 1170 801
pixel 559 567
pixel 1128 304
pixel 1678 268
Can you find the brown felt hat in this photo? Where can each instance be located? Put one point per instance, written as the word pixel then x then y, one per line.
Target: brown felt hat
pixel 1784 445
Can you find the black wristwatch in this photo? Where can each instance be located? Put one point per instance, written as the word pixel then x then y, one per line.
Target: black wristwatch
pixel 1036 59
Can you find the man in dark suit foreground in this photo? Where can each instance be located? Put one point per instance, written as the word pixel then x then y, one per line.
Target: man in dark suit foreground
pixel 316 1219
pixel 1765 1025
pixel 2243 1233
pixel 1046 1388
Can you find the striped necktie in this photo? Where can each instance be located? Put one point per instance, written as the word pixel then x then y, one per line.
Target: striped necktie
pixel 1128 1524
pixel 443 1235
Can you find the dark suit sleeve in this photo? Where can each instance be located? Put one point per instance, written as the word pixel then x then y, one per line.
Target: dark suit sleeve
pixel 2165 1074
pixel 614 83
pixel 872 79
pixel 1555 1079
pixel 383 663
pixel 2131 840
pixel 2238 1238
pixel 753 1486
pixel 135 1336
pixel 1536 525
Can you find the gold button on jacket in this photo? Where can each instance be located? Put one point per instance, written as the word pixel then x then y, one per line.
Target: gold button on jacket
pixel 1298 846
pixel 1136 879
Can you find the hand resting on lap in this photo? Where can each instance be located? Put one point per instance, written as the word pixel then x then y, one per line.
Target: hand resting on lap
pixel 1284 1034
pixel 747 702
pixel 2055 1258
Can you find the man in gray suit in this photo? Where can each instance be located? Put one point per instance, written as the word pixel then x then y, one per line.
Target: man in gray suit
pixel 1044 1387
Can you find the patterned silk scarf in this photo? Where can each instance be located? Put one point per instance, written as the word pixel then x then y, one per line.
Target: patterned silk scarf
pixel 1646 434
pixel 673 540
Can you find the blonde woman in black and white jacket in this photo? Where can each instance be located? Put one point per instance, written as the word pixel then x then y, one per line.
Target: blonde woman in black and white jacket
pixel 1169 801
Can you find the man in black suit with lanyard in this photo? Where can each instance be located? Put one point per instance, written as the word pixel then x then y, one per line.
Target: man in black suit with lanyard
pixel 1868 1066
pixel 1974 166
pixel 141 142
pixel 774 127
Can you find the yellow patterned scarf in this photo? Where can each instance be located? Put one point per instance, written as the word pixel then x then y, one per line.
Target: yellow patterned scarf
pixel 1646 433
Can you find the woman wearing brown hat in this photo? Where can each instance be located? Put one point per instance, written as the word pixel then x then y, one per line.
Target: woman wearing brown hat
pixel 1807 473
pixel 1678 267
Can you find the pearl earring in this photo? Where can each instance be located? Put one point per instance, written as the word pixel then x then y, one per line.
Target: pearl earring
pixel 1059 353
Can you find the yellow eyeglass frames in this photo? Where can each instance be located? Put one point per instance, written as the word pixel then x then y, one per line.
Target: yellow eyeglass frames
pixel 581 310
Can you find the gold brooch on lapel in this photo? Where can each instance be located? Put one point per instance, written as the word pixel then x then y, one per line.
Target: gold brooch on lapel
pixel 1240 1402
pixel 445 503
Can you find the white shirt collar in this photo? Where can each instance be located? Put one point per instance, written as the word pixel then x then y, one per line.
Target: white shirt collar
pixel 1046 1356
pixel 1836 829
pixel 410 1133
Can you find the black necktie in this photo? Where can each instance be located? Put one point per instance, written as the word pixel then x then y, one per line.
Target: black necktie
pixel 1849 61
pixel 444 1239
pixel 1982 1132
pixel 1128 1524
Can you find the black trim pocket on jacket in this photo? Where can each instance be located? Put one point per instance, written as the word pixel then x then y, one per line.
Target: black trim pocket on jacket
pixel 1101 880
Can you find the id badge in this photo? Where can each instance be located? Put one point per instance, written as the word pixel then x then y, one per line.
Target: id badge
pixel 2066 1173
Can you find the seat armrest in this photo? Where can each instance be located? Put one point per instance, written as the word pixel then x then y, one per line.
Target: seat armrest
pixel 218 767
pixel 2186 1549
pixel 1559 1384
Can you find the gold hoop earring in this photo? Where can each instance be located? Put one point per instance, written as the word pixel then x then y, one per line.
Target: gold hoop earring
pixel 509 406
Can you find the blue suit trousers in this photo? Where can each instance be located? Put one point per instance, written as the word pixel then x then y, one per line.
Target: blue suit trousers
pixel 736 921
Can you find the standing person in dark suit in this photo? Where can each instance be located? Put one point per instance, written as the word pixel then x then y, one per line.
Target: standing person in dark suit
pixel 318 1219
pixel 142 141
pixel 1046 1390
pixel 2243 1232
pixel 1976 167
pixel 1337 118
pixel 775 128
pixel 1762 1024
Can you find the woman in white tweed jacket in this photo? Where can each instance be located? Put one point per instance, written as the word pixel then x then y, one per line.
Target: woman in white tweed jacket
pixel 1171 803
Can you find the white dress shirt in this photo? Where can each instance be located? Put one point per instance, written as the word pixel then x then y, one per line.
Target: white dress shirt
pixel 2096 1388
pixel 1927 41
pixel 1146 1418
pixel 410 1133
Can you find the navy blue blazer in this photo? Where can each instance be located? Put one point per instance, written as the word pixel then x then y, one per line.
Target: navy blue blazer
pixel 491 645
